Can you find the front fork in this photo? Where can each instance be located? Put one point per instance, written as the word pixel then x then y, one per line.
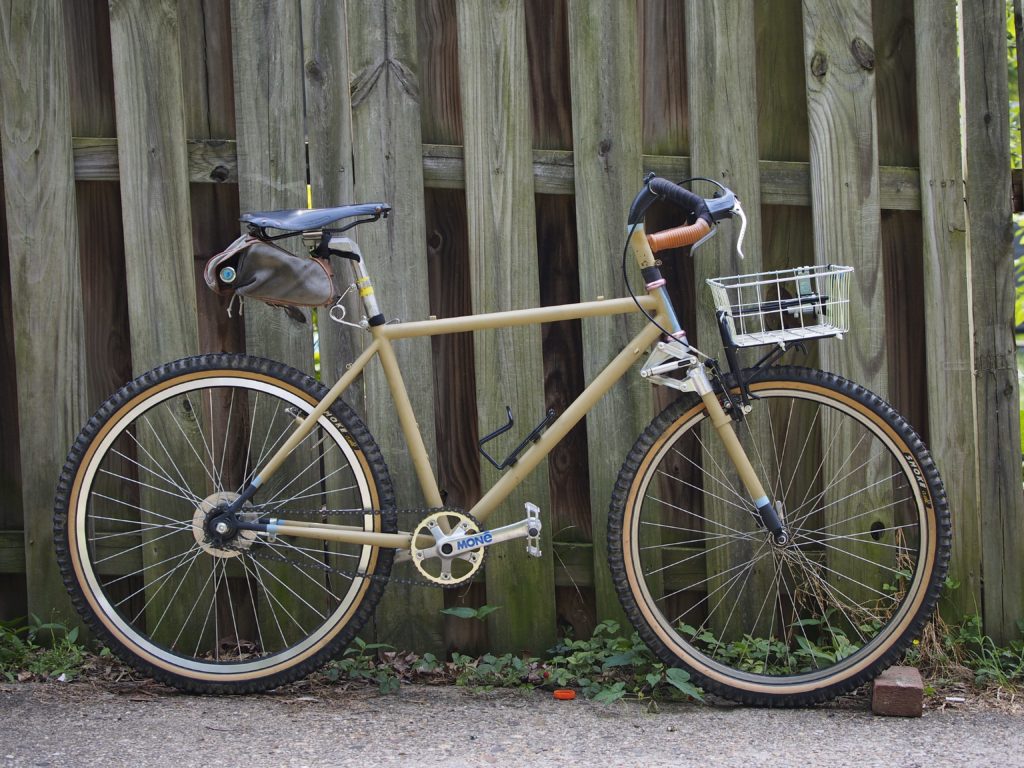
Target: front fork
pixel 723 425
pixel 674 355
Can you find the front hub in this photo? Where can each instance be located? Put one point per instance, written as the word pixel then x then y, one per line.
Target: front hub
pixel 772 518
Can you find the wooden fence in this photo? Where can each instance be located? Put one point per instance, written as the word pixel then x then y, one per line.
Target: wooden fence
pixel 510 137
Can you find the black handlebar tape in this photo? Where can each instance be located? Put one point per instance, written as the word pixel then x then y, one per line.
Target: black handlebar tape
pixel 692 203
pixel 643 200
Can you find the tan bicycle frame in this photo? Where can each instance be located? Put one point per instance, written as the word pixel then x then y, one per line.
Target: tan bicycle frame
pixel 653 303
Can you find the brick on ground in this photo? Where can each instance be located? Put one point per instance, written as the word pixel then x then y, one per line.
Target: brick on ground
pixel 898 692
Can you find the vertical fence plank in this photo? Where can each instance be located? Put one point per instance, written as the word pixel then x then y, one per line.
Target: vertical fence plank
pixel 154 181
pixel 100 234
pixel 840 80
pixel 547 38
pixel 210 114
pixel 1018 31
pixel 947 298
pixel 389 167
pixel 267 49
pixel 503 265
pixel 159 271
pixel 897 108
pixel 664 77
pixel 458 463
pixel 727 84
pixel 10 458
pixel 12 582
pixel 989 232
pixel 604 68
pixel 35 138
pixel 782 128
pixel 844 176
pixel 329 131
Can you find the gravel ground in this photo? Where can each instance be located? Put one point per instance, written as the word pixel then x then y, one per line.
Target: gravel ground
pixel 84 725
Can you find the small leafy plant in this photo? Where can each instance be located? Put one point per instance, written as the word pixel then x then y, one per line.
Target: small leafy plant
pixel 359 662
pixel 47 650
pixel 609 667
pixel 465 612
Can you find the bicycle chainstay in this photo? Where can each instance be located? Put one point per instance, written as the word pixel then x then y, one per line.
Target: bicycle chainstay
pixel 423 513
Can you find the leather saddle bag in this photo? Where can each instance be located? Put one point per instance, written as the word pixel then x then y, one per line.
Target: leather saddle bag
pixel 254 268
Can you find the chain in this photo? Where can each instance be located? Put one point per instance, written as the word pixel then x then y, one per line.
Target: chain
pixel 352 574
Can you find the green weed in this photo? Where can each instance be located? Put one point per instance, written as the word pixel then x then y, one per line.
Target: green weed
pixel 47 650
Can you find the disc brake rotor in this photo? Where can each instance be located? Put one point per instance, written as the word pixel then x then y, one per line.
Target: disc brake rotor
pixel 435 552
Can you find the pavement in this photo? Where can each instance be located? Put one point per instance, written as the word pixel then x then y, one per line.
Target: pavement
pixel 81 724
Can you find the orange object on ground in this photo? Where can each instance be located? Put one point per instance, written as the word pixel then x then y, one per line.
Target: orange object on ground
pixel 564 694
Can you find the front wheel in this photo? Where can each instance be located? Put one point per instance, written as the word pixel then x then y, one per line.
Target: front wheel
pixel 133 525
pixel 708 589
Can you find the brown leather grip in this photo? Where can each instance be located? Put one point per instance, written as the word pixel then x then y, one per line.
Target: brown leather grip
pixel 677 237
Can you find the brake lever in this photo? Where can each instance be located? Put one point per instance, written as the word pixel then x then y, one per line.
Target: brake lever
pixel 738 211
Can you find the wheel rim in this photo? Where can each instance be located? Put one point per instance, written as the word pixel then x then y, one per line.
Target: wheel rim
pixel 761 616
pixel 158 460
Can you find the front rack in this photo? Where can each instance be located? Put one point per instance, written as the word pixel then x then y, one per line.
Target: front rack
pixel 789 305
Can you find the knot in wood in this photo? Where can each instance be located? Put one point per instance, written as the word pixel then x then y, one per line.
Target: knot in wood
pixel 819 64
pixel 863 53
pixel 314 70
pixel 220 173
pixel 604 147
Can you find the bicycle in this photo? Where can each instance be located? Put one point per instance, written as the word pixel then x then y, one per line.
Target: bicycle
pixel 227 524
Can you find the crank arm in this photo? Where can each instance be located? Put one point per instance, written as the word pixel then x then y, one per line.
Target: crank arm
pixel 527 528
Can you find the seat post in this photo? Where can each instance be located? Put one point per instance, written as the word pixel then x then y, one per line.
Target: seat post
pixel 348 247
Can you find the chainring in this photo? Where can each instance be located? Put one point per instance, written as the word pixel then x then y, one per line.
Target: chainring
pixel 433 553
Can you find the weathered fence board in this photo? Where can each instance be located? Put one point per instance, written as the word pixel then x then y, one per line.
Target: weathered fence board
pixel 895 66
pixel 547 39
pixel 100 235
pixel 160 280
pixel 727 84
pixel 606 152
pixel 844 176
pixel 13 595
pixel 35 139
pixel 947 304
pixel 329 131
pixel 151 127
pixel 209 103
pixel 267 49
pixel 458 463
pixel 388 167
pixel 989 230
pixel 503 271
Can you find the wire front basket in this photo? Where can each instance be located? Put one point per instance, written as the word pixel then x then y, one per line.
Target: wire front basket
pixel 785 306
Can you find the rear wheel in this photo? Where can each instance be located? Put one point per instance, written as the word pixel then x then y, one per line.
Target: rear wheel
pixel 708 589
pixel 220 614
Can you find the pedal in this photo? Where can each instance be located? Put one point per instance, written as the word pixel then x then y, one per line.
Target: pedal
pixel 533 530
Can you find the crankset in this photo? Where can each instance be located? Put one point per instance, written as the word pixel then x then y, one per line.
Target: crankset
pixel 456 551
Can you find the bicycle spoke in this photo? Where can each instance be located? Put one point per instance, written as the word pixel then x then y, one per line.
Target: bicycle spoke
pixel 163 579
pixel 699 517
